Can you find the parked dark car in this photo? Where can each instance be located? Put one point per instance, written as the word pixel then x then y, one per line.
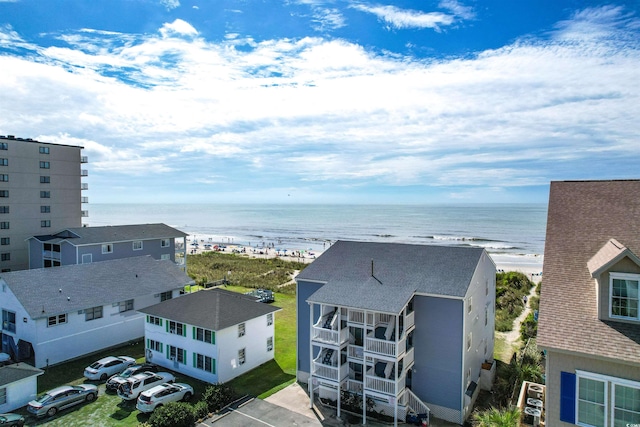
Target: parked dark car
pixel 11 420
pixel 117 380
pixel 61 398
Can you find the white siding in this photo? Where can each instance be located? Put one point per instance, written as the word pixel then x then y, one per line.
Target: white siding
pixel 19 393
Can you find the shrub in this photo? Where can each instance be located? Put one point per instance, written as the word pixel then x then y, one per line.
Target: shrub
pixel 173 414
pixel 217 396
pixel 528 328
pixel 493 417
pixel 201 410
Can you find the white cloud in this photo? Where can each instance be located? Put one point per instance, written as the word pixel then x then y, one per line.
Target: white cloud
pixel 329 111
pixel 403 18
pixel 170 4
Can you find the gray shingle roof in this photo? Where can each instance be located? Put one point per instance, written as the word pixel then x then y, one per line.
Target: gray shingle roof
pixel 91 285
pixel 583 217
pixel 16 372
pixel 114 233
pixel 214 309
pixel 399 270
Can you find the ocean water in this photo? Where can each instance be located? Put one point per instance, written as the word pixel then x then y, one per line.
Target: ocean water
pixel 511 233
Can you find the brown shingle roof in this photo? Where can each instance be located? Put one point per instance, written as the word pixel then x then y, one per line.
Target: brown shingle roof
pixel 583 217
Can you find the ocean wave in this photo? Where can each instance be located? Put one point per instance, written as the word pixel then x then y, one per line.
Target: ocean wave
pixel 457 238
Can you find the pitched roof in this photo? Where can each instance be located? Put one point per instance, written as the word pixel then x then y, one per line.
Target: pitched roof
pixel 399 270
pixel 583 217
pixel 43 292
pixel 214 309
pixel 16 372
pixel 612 252
pixel 113 233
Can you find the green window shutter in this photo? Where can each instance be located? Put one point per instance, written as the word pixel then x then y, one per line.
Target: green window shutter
pixel 167 326
pixel 168 353
pixel 184 330
pixel 193 329
pixel 194 359
pixel 161 347
pixel 184 356
pixel 147 318
pixel 160 322
pixel 213 338
pixel 213 366
pixel 148 343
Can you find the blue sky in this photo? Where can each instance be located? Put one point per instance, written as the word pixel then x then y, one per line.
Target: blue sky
pixel 313 101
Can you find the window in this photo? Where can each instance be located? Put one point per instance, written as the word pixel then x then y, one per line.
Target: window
pixel 154 320
pixel 4 162
pixel 204 335
pixel 154 345
pixel 4 146
pixel 470 306
pixel 45 165
pixel 4 209
pixel 5 241
pixel 241 356
pixel 45 180
pixel 93 313
pixel 45 194
pixel 137 245
pixel 623 289
pixel 166 295
pixel 486 287
pixel 177 354
pixel 5 256
pixel 125 305
pixel 591 402
pixel 4 177
pixel 57 320
pixel 165 257
pixel 269 319
pixel 270 344
pixel 206 363
pixel 241 330
pixel 469 341
pixel 165 243
pixel 4 193
pixel 595 400
pixel 175 328
pixel 8 321
pixel 45 223
pixel 4 225
pixel 486 315
pixel 44 150
pixel 107 248
pixel 45 209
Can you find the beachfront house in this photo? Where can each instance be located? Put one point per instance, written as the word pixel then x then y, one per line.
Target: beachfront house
pixel 83 245
pixel 50 315
pixel 213 335
pixel 18 385
pixel 589 320
pixel 403 327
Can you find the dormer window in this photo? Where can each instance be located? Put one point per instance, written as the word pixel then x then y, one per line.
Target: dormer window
pixel 623 302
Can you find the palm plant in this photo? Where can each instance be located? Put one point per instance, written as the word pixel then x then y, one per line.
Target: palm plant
pixel 493 417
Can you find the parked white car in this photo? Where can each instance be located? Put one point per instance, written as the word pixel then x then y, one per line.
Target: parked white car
pixel 163 394
pixel 107 366
pixel 136 384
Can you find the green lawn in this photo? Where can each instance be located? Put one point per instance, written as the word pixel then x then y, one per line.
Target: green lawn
pixel 109 410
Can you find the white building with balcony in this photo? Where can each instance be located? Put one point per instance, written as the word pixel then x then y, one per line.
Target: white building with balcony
pixel 405 328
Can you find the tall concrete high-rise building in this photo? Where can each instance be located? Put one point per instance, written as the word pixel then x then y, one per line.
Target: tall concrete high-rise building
pixel 40 192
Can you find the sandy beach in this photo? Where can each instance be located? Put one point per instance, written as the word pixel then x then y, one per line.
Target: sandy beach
pixel 529 265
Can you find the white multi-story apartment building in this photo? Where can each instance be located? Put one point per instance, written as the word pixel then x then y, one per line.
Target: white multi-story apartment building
pixel 40 190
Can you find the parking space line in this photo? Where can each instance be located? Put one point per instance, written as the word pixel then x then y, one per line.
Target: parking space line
pixel 253 418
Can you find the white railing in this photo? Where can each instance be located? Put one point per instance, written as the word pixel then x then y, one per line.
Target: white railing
pixel 84 172
pixel 409 357
pixel 409 320
pixel 84 200
pixel 84 159
pixel 51 255
pixel 414 402
pixel 355 351
pixel 384 385
pixel 356 316
pixel 84 214
pixel 329 336
pixel 388 348
pixel 334 373
pixel 84 186
pixel 354 386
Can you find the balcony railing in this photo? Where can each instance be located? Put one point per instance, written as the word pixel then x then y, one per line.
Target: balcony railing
pixel 51 255
pixel 84 214
pixel 84 172
pixel 84 159
pixel 84 186
pixel 388 348
pixel 354 386
pixel 330 336
pixel 409 358
pixel 84 200
pixel 355 352
pixel 384 385
pixel 410 320
pixel 356 316
pixel 330 372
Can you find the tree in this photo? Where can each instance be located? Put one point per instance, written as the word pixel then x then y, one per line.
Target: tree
pixel 173 414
